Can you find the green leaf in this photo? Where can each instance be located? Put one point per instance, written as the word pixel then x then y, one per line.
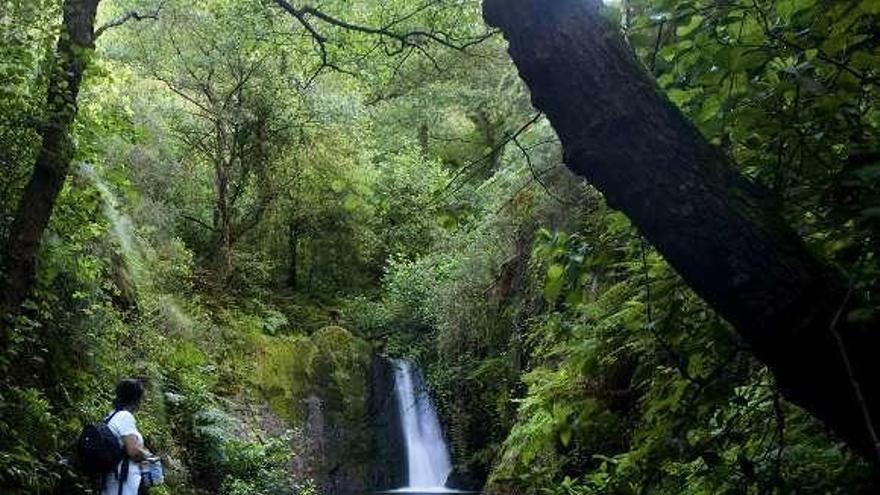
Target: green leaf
pixel 789 8
pixel 688 28
pixel 555 271
pixel 565 436
pixel 554 282
pixel 870 6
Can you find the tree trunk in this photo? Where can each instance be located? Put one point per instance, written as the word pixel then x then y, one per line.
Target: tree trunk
pixel 423 140
pixel 222 223
pixel 492 136
pixel 293 250
pixel 75 45
pixel 719 230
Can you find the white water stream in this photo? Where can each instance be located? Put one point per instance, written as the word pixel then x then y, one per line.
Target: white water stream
pixel 428 463
pixel 120 223
pixel 130 247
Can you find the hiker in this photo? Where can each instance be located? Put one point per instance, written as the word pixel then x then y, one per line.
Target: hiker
pixel 129 393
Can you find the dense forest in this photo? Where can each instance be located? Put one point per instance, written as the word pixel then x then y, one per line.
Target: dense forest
pixel 629 245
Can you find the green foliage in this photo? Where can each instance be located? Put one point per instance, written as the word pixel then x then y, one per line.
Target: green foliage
pixel 788 90
pixel 255 469
pixel 230 465
pixel 617 403
pixel 28 428
pixel 381 189
pixel 283 374
pixel 27 33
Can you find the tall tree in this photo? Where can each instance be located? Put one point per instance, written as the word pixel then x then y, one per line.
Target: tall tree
pixel 720 231
pixel 239 115
pixel 74 47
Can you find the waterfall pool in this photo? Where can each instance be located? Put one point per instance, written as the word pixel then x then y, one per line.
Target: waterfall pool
pixel 429 491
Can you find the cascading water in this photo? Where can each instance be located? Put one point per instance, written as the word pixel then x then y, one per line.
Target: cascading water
pixel 120 223
pixel 426 453
pixel 130 247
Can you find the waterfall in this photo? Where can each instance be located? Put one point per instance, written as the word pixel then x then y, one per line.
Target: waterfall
pixel 131 249
pixel 426 453
pixel 120 223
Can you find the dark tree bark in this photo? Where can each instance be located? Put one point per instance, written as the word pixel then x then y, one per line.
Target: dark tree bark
pixel 492 135
pixel 293 231
pixel 223 240
pixel 719 230
pixel 75 45
pixel 423 139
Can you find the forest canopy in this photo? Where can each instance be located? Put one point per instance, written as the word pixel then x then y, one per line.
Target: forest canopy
pixel 629 246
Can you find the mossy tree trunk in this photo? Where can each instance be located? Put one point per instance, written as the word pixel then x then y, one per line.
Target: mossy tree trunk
pixel 74 47
pixel 718 229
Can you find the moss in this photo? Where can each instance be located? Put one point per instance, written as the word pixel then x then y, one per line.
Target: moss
pixel 284 365
pixel 331 364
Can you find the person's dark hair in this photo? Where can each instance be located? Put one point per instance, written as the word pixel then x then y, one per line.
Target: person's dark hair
pixel 128 393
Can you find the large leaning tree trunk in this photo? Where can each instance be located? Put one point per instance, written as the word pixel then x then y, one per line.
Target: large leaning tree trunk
pixel 719 230
pixel 75 45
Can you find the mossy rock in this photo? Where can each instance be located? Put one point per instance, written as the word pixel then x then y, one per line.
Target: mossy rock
pixel 332 363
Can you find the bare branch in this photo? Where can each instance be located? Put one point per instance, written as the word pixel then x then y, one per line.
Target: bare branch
pixel 466 172
pixel 528 183
pixel 412 40
pixel 244 79
pixel 131 15
pixel 534 173
pixel 198 222
pixel 850 373
pixel 179 92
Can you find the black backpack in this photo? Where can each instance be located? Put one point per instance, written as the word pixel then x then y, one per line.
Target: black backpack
pixel 97 449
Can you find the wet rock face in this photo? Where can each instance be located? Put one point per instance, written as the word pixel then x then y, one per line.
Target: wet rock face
pixel 355 443
pixel 388 468
pixel 462 480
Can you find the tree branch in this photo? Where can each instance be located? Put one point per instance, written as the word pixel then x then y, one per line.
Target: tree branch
pixel 534 173
pixel 461 172
pixel 522 188
pixel 198 222
pixel 413 39
pixel 129 16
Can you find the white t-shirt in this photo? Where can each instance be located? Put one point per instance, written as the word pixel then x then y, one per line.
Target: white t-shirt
pixel 123 424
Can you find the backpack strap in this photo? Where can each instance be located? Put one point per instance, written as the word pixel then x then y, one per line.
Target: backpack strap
pixel 122 475
pixel 123 471
pixel 110 417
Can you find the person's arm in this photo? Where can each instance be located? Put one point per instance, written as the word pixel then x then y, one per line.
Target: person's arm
pixel 134 450
pixel 127 430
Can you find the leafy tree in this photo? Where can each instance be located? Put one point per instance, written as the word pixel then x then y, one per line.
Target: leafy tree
pixel 674 184
pixel 52 162
pixel 237 123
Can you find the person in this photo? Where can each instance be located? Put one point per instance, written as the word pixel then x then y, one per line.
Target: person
pixel 129 393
